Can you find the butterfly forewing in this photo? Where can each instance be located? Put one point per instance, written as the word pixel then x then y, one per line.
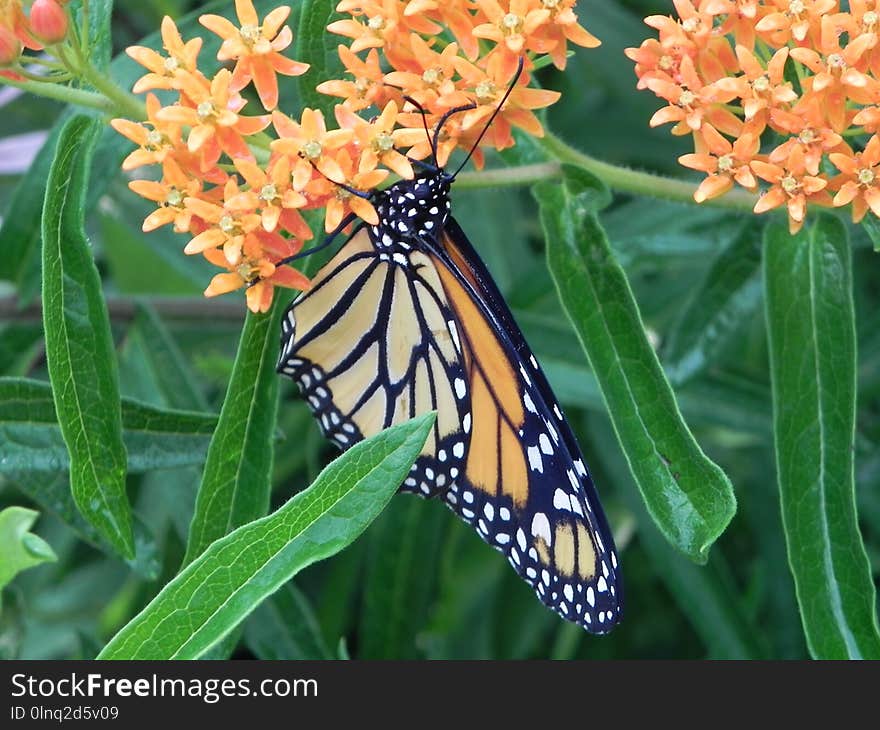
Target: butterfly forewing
pixel 370 345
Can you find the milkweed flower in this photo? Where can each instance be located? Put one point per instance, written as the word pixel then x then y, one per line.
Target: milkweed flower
pixel 238 184
pixel 769 91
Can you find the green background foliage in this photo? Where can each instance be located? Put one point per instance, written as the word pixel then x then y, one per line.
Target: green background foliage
pixel 722 376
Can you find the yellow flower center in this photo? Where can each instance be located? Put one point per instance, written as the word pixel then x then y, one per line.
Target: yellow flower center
pixel 383 142
pixel 376 23
pixel 690 25
pixel 268 193
pixel 687 98
pixel 790 184
pixel 666 62
pixel 250 34
pixel 362 86
pixel 155 140
pixel 486 92
pixel 312 149
pixel 796 7
pixel 807 136
pixel 869 20
pixel 226 224
pixel 836 60
pixel 550 4
pixel 205 110
pixel 171 65
pixel 866 176
pixel 174 198
pixel 761 84
pixel 432 76
pixel 342 193
pixel 725 163
pixel 511 22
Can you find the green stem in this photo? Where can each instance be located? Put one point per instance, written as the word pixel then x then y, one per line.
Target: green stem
pixel 507 177
pixel 126 104
pixel 65 94
pixel 626 180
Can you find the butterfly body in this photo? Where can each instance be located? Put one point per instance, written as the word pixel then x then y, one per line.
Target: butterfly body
pixel 406 319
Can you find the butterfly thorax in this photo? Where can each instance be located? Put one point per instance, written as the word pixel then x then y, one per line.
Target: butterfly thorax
pixel 410 211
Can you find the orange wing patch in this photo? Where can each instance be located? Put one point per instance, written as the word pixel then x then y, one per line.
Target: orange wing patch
pixel 496 401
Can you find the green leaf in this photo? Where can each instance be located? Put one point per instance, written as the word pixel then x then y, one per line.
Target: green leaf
pixel 871 225
pixel 317 46
pixel 727 299
pixel 401 579
pixel 811 331
pixel 215 592
pixel 175 379
pixel 688 496
pixel 238 472
pixel 155 438
pixel 285 627
pixel 20 549
pixel 79 346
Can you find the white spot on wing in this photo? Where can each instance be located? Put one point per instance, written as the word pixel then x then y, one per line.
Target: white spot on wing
pixel 535 461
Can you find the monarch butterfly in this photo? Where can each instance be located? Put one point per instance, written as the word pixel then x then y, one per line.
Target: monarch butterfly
pixel 405 319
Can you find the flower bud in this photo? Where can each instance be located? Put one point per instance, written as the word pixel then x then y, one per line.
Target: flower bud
pixel 10 47
pixel 48 21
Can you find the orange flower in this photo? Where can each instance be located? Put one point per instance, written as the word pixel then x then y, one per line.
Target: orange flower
pixel 360 176
pixel 311 143
pixel 808 132
pixel 368 87
pixel 564 26
pixel 858 183
pixel 513 29
pixel 793 19
pixel 171 194
pixel 836 77
pixel 256 49
pixel 791 186
pixel 271 193
pixel 692 102
pixel 165 71
pixel 759 89
pixel 214 122
pixel 228 226
pixel 724 163
pixel 154 144
pixel 377 140
pixel 431 81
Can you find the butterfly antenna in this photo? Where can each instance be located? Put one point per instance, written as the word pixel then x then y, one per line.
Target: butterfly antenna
pixel 510 88
pixel 424 114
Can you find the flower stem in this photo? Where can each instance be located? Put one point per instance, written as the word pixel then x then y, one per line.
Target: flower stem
pixel 625 180
pixel 65 94
pixel 125 104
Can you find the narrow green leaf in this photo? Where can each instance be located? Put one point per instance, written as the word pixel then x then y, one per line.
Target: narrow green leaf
pixel 871 226
pixel 689 496
pixel 401 579
pixel 30 437
pixel 215 592
pixel 726 300
pixel 175 379
pixel 20 549
pixel 285 627
pixel 317 46
pixel 811 331
pixel 238 472
pixel 79 346
pixel 100 33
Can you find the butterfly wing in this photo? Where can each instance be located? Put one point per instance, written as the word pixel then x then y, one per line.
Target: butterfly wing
pixel 525 487
pixel 381 337
pixel 371 344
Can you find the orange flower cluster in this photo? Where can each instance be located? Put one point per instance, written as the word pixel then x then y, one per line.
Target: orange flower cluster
pixel 784 92
pixel 240 191
pixel 488 37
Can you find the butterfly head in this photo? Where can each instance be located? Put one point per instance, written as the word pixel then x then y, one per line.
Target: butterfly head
pixel 416 208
